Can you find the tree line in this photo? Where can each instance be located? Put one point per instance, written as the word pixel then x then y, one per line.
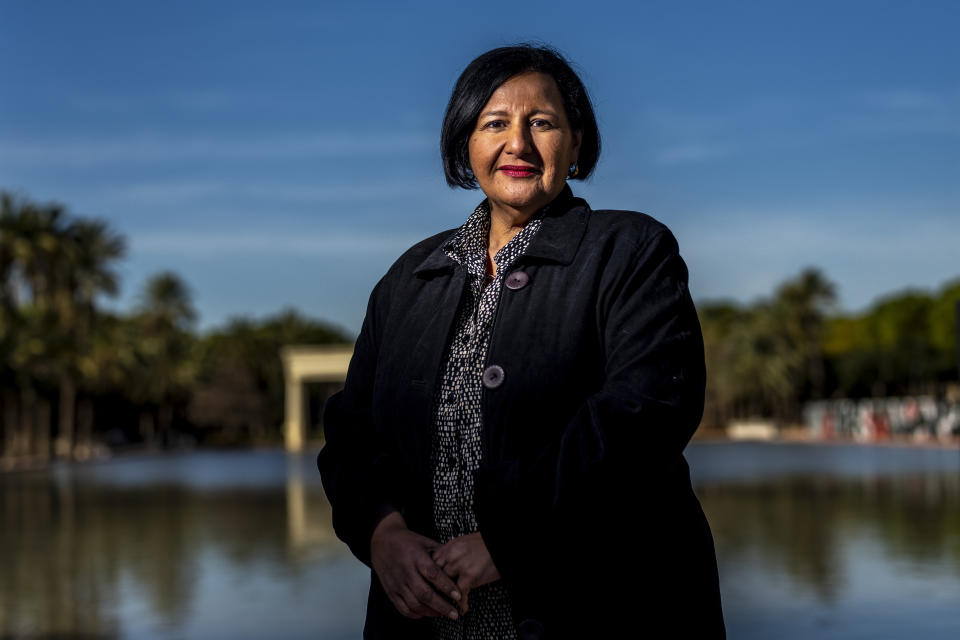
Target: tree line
pixel 74 374
pixel 768 358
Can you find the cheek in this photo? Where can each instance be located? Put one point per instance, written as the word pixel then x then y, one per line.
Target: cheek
pixel 478 153
pixel 559 159
pixel 559 152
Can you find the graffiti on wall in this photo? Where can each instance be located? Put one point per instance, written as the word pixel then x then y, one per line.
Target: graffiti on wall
pixel 877 419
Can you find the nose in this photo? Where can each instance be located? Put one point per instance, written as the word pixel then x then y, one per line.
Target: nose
pixel 520 141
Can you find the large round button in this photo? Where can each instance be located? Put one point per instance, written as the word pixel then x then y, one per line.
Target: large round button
pixel 517 280
pixel 493 376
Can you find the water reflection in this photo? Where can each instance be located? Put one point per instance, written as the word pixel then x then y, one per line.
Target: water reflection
pixel 836 549
pixel 828 542
pixel 132 547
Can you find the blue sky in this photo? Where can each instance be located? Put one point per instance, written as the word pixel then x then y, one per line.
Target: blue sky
pixel 285 153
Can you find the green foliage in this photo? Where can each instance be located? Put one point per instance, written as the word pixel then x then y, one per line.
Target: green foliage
pixel 763 358
pixel 905 342
pixel 242 360
pixel 768 358
pixel 55 342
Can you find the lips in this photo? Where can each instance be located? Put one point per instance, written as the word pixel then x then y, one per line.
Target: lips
pixel 518 171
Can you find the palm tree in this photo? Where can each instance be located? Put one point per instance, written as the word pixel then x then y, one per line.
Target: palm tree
pixel 802 305
pixel 33 243
pixel 89 249
pixel 9 321
pixel 51 270
pixel 166 369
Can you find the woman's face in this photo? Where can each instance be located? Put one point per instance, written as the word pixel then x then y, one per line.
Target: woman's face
pixel 522 146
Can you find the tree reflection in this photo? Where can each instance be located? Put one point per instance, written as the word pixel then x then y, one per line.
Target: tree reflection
pixel 91 554
pixel 74 552
pixel 801 525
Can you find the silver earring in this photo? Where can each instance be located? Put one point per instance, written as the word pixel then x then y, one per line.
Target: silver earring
pixel 574 170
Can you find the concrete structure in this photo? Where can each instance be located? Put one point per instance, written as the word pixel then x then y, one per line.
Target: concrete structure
pixel 751 430
pixel 302 364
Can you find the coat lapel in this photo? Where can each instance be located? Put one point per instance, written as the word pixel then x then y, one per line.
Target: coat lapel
pixel 564 223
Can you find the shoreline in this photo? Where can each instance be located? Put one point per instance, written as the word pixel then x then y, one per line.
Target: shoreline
pixel 105 454
pixel 892 443
pixel 711 438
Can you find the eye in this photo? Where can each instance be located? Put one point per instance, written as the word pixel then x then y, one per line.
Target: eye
pixel 493 124
pixel 541 123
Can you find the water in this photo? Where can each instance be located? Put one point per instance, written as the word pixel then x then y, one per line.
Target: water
pixel 812 541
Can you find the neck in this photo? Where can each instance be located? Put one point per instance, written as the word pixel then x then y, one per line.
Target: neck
pixel 504 224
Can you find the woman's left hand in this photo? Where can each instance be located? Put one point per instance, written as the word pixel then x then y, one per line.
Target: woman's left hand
pixel 468 563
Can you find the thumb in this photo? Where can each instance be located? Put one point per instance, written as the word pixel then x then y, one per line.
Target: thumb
pixel 464 607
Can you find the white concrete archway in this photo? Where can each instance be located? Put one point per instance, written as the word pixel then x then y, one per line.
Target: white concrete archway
pixel 302 364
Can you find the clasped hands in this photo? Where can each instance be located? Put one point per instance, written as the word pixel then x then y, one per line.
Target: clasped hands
pixel 415 570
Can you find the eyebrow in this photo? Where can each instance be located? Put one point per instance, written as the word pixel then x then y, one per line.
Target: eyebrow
pixel 505 113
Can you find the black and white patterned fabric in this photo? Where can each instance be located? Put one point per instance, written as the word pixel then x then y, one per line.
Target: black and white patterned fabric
pixel 457 421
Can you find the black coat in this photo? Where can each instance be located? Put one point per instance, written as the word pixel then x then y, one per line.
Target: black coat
pixel 583 497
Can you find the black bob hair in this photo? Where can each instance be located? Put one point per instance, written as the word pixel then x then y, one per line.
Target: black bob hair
pixel 478 82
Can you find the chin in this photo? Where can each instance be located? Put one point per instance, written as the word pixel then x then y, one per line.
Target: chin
pixel 530 198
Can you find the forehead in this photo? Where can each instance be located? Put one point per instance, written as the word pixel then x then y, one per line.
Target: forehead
pixel 531 89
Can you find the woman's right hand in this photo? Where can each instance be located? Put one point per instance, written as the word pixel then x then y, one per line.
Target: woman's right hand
pixel 410 577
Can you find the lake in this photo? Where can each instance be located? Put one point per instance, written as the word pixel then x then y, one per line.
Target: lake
pixel 813 541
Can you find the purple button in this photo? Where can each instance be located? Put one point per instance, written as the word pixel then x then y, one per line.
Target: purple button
pixel 493 376
pixel 517 280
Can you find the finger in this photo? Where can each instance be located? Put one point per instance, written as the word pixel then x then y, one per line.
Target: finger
pixel 465 590
pixel 437 552
pixel 456 567
pixel 452 550
pixel 431 603
pixel 464 584
pixel 413 605
pixel 402 607
pixel 433 573
pixel 421 608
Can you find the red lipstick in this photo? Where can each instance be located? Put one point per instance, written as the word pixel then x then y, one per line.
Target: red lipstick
pixel 518 171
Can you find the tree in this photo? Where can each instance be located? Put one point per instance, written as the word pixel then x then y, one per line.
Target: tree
pixel 165 369
pixel 801 306
pixel 765 359
pixel 33 248
pixel 240 367
pixel 90 248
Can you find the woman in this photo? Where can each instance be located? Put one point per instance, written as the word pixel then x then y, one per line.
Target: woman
pixel 506 453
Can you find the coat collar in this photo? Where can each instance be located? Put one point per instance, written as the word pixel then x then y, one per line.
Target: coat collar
pixel 564 223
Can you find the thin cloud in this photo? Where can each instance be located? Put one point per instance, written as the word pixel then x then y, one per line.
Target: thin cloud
pixel 190 191
pixel 908 112
pixel 746 255
pixel 239 243
pixel 145 148
pixel 764 123
pixel 204 100
pixel 912 100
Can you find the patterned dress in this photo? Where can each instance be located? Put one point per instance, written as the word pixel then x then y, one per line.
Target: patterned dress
pixel 456 446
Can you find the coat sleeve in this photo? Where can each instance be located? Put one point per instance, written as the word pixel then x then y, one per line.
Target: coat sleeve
pixel 629 434
pixel 356 472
